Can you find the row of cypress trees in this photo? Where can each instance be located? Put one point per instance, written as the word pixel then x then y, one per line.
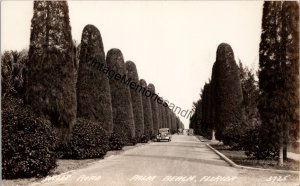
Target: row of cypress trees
pixel 121 110
pixel 224 101
pixel 59 90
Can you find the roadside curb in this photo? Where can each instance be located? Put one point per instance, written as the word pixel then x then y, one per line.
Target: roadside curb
pixel 231 163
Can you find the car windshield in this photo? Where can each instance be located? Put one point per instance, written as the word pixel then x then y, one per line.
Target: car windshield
pixel 165 130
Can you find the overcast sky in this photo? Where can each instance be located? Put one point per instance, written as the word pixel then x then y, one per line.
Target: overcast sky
pixel 173 43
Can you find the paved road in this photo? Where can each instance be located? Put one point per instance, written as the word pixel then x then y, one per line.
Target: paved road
pixel 184 161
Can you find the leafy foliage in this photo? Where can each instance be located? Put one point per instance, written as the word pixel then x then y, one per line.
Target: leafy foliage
pixel 173 123
pixel 253 142
pixel 121 98
pixel 148 118
pixel 197 114
pixel 89 140
pixel 144 139
pixel 228 97
pixel 279 73
pixel 164 116
pixel 154 108
pixel 161 115
pixel 136 99
pixel 118 139
pixel 27 141
pixel 93 91
pixel 50 74
pixel 13 64
pixel 206 119
pixel 250 96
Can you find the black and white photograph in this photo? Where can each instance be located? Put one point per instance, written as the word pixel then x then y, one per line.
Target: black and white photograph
pixel 154 93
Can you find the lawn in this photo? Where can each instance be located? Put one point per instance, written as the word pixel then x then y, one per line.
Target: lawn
pixel 239 157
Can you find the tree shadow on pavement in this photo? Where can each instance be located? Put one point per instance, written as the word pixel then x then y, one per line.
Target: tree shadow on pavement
pixel 200 161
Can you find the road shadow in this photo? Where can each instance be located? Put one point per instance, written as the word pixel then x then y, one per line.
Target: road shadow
pixel 183 146
pixel 192 148
pixel 194 160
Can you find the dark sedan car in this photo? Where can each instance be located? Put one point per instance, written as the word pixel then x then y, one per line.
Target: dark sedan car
pixel 164 134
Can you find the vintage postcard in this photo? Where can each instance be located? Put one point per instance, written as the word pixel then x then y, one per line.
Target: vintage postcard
pixel 156 93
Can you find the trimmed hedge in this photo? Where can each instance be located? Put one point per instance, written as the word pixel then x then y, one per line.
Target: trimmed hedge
pixel 154 108
pixel 27 141
pixel 123 119
pixel 89 140
pixel 228 96
pixel 148 119
pixel 136 98
pixel 93 91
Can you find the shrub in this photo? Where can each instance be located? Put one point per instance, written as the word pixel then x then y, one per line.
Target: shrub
pixel 233 136
pixel 134 140
pixel 115 142
pixel 144 139
pixel 27 141
pixel 89 140
pixel 253 142
pixel 118 138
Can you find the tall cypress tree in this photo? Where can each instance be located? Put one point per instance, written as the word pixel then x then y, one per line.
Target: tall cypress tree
pixel 154 108
pixel 290 11
pixel 161 115
pixel 204 110
pixel 206 125
pixel 177 123
pixel 213 106
pixel 136 98
pixel 278 75
pixel 196 117
pixel 164 116
pixel 174 128
pixel 50 75
pixel 168 119
pixel 228 96
pixel 93 91
pixel 148 118
pixel 121 98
